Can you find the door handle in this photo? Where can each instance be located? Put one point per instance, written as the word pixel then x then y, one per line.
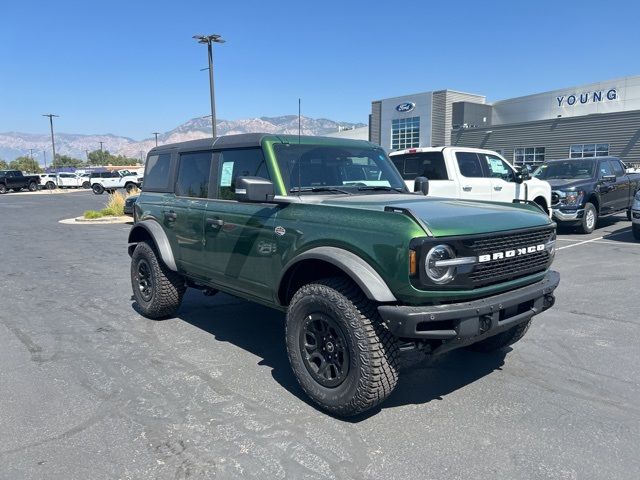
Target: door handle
pixel 215 222
pixel 170 216
pixel 497 188
pixel 467 188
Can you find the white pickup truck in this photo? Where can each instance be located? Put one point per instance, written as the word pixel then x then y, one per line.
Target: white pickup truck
pixel 110 181
pixel 469 173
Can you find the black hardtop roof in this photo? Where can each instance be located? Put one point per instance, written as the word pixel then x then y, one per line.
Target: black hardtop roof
pixel 247 140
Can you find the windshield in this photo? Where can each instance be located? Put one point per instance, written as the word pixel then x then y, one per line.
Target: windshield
pixel 566 169
pixel 338 169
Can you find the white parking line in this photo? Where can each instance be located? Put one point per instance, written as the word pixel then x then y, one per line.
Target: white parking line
pixel 583 242
pixel 580 243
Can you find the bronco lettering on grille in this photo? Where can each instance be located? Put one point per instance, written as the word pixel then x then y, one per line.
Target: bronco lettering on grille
pixel 511 253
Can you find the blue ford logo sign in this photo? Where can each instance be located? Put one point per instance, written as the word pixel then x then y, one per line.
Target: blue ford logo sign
pixel 406 107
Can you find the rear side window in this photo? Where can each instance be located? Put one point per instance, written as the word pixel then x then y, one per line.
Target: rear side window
pixel 423 164
pixel 193 175
pixel 246 162
pixel 156 174
pixel 617 168
pixel 469 164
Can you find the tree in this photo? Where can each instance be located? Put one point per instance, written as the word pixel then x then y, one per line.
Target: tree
pixel 25 164
pixel 67 161
pixel 99 157
pixel 4 165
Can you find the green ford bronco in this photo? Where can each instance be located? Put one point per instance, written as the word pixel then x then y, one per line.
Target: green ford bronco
pixel 325 230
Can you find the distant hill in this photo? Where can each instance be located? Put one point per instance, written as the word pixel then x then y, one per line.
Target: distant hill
pixel 14 144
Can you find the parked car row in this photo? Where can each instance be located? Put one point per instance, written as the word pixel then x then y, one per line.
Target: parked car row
pixel 64 180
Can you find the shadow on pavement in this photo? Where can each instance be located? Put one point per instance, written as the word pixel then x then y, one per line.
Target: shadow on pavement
pixel 260 330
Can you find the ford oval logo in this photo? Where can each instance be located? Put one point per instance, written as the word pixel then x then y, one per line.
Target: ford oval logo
pixel 406 107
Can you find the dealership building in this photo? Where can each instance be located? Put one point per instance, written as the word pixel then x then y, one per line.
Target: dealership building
pixel 597 119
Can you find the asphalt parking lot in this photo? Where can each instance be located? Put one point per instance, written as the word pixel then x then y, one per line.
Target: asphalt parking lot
pixel 90 389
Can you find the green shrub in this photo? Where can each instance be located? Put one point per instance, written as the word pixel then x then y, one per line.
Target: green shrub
pixel 91 214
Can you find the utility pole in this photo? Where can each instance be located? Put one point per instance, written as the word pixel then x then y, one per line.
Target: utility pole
pixel 31 153
pixel 53 143
pixel 45 159
pixel 209 40
pixel 156 134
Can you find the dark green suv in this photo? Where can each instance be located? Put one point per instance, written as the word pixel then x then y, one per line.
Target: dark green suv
pixel 326 230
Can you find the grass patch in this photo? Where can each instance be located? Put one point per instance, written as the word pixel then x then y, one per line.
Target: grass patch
pixel 92 214
pixel 113 208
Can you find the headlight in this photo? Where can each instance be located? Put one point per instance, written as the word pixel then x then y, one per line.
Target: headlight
pixel 440 274
pixel 573 199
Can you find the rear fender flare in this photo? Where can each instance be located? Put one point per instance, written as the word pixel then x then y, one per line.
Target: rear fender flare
pixel 142 230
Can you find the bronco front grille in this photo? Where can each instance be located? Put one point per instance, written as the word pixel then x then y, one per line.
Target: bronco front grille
pixel 501 269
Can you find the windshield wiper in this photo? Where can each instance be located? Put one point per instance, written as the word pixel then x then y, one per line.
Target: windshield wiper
pixel 318 189
pixel 382 188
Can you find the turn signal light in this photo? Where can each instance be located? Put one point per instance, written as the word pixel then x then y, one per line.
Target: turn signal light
pixel 413 262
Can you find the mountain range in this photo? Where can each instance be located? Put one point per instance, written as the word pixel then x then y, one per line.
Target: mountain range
pixel 15 144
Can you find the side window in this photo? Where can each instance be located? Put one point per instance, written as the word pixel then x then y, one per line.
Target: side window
pixel 605 168
pixel 498 168
pixel 617 168
pixel 469 165
pixel 156 175
pixel 246 162
pixel 193 175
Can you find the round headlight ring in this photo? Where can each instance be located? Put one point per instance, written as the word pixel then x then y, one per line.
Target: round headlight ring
pixel 439 275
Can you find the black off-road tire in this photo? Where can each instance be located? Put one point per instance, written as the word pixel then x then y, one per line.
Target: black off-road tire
pixel 33 186
pixel 588 224
pixel 373 356
pixel 97 189
pixel 130 187
pixel 86 185
pixel 3 188
pixel 167 287
pixel 501 340
pixel 636 231
pixel 50 186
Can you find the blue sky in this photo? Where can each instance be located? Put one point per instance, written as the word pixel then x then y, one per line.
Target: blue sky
pixel 131 67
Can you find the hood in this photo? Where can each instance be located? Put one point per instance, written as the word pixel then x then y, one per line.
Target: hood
pixel 450 217
pixel 566 183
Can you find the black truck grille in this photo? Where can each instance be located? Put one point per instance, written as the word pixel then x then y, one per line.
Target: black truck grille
pixel 499 270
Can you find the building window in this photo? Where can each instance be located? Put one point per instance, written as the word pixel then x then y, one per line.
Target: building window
pixel 528 155
pixel 405 133
pixel 589 150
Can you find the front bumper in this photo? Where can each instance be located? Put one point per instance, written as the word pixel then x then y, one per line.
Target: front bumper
pixel 568 216
pixel 460 324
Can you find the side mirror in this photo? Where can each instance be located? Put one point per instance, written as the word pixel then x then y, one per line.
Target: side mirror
pixel 608 178
pixel 254 189
pixel 522 174
pixel 421 184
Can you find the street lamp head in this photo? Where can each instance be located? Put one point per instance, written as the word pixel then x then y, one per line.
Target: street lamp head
pixel 205 39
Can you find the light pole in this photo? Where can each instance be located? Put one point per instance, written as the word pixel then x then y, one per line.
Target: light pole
pixel 53 143
pixel 209 40
pixel 156 134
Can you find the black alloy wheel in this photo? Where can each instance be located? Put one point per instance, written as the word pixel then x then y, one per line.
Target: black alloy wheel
pixel 97 189
pixel 50 186
pixel 3 188
pixel 33 186
pixel 324 350
pixel 144 280
pixel 86 185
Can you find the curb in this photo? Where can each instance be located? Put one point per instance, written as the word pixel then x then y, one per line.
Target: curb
pixel 97 221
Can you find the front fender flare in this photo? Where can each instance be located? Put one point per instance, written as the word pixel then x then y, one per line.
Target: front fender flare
pixel 363 274
pixel 153 229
